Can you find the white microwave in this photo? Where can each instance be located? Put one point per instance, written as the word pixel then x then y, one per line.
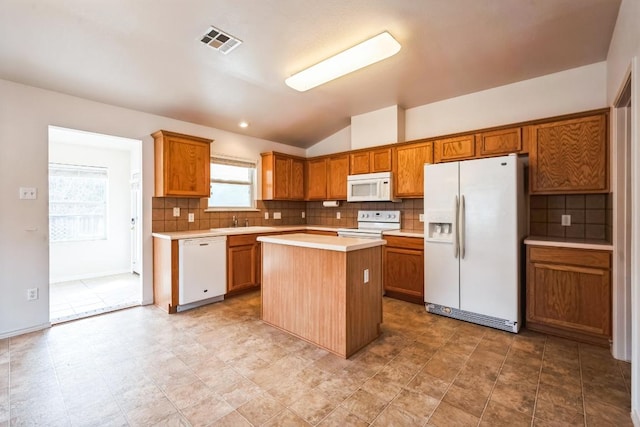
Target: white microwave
pixel 370 187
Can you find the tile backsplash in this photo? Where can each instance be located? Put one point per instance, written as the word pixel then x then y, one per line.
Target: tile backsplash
pixel 591 216
pixel 291 213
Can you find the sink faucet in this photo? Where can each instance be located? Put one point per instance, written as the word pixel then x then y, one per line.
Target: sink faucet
pixel 246 222
pixel 235 221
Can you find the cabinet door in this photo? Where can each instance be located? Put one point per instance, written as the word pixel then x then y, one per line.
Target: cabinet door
pixel 359 163
pixel 499 142
pixel 242 268
pixel 404 274
pixel 297 180
pixel 316 179
pixel 182 165
pixel 380 160
pixel 408 163
pixel 337 172
pixel 281 177
pixel 458 148
pixel 569 156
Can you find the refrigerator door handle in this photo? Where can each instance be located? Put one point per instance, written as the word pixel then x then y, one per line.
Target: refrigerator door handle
pixel 454 227
pixel 461 226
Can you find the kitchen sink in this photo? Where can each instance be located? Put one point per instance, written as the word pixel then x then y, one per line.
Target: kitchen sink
pixel 242 230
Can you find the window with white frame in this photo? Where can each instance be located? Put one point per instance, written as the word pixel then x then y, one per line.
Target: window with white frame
pixel 232 184
pixel 77 202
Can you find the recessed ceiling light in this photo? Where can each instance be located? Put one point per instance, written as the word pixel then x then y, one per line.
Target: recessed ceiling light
pixel 243 124
pixel 359 56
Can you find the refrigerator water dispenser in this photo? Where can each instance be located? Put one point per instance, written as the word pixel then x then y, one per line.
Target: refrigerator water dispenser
pixel 439 226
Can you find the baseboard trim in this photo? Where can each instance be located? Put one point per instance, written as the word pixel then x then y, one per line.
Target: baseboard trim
pixel 25 331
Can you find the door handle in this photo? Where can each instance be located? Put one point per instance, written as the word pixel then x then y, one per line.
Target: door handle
pixel 455 227
pixel 461 225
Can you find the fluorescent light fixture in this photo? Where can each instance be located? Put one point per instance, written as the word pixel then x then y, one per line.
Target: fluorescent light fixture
pixel 359 56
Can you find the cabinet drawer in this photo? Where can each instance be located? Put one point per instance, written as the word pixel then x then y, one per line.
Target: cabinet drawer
pixel 242 239
pixel 404 242
pixel 570 256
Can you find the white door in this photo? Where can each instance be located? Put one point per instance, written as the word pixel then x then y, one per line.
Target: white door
pixel 136 209
pixel 489 237
pixel 441 264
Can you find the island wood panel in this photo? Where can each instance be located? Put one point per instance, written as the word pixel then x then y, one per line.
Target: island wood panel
pixel 456 148
pixel 569 156
pixel 408 164
pixel 318 295
pixel 337 172
pixel 165 274
pixel 569 293
pixel 316 179
pixel 500 142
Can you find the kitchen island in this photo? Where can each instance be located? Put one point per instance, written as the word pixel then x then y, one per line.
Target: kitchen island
pixel 326 290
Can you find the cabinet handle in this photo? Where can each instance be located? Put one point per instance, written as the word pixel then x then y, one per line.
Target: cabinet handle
pixel 455 227
pixel 461 225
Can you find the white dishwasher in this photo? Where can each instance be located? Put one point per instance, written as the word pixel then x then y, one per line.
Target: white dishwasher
pixel 202 266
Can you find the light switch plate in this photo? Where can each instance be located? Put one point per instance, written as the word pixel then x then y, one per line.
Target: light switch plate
pixel 266 215
pixel 566 220
pixel 28 193
pixel 337 215
pixel 366 275
pixel 303 215
pixel 191 217
pixel 277 215
pixel 176 211
pixel 421 217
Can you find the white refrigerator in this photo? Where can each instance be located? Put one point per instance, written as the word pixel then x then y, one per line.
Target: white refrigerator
pixel 474 227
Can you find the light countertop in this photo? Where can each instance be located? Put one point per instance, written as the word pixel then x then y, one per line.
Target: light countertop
pixel 232 231
pixel 404 233
pixel 316 241
pixel 568 243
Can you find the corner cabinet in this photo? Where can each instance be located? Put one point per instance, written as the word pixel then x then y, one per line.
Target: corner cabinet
pixel 408 168
pixel 282 177
pixel 403 260
pixel 569 293
pixel 569 156
pixel 182 165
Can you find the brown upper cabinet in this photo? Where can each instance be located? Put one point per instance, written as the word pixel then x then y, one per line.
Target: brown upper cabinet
pixel 316 179
pixel 456 148
pixel 282 177
pixel 408 166
pixel 337 172
pixel 182 165
pixel 500 142
pixel 569 156
pixel 370 161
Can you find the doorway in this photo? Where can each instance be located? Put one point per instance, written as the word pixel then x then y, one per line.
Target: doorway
pixel 94 223
pixel 622 223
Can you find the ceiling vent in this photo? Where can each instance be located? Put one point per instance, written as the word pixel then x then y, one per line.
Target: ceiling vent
pixel 219 40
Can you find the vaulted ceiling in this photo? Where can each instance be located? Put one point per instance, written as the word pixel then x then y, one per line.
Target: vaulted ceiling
pixel 146 55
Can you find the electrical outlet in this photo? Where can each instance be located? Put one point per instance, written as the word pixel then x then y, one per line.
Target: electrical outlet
pixel 366 275
pixel 277 215
pixel 566 220
pixel 32 294
pixel 337 215
pixel 303 215
pixel 28 193
pixel 421 217
pixel 191 217
pixel 266 215
pixel 176 211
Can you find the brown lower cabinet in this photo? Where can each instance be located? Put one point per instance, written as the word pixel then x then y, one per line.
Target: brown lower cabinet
pixel 243 263
pixel 569 293
pixel 403 261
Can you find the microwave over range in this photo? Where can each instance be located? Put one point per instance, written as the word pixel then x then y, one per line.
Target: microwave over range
pixel 370 187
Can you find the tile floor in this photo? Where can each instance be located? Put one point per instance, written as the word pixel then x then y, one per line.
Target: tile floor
pixel 82 298
pixel 219 365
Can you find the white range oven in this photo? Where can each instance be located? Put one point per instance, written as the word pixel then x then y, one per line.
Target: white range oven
pixel 371 224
